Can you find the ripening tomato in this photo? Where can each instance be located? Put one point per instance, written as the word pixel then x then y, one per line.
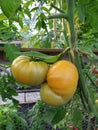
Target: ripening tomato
pixel 50 97
pixel 62 80
pixel 29 72
pixel 62 77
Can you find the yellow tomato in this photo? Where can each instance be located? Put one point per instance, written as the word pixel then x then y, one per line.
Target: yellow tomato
pixel 29 72
pixel 62 77
pixel 62 80
pixel 50 97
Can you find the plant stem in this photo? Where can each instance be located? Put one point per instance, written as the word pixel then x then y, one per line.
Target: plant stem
pixel 76 59
pixel 58 16
pixel 91 80
pixel 65 51
pixel 84 88
pixel 71 39
pixel 70 12
pixel 65 31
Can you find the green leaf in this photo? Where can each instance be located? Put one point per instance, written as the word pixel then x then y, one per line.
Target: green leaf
pixel 60 114
pixel 92 13
pixel 7 91
pixel 9 7
pixel 46 9
pixel 88 52
pixel 42 16
pixel 26 8
pixel 77 116
pixel 33 9
pixel 49 116
pixel 15 102
pixel 89 10
pixel 10 50
pixel 45 42
pixel 20 20
pixel 38 24
pixel 12 90
pixel 27 11
pixel 81 13
pixel 2 17
pixel 9 125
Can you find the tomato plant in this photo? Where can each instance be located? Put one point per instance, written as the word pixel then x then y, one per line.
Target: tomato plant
pixel 29 72
pixel 55 90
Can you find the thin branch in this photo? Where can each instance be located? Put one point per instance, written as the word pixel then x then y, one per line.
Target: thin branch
pixel 91 79
pixel 58 16
pixel 82 52
pixel 58 9
pixel 65 32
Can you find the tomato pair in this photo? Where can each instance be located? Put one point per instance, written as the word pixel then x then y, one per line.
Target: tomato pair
pixel 59 82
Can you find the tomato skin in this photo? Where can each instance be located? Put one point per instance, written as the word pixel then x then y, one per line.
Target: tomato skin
pixel 62 77
pixel 50 97
pixel 29 72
